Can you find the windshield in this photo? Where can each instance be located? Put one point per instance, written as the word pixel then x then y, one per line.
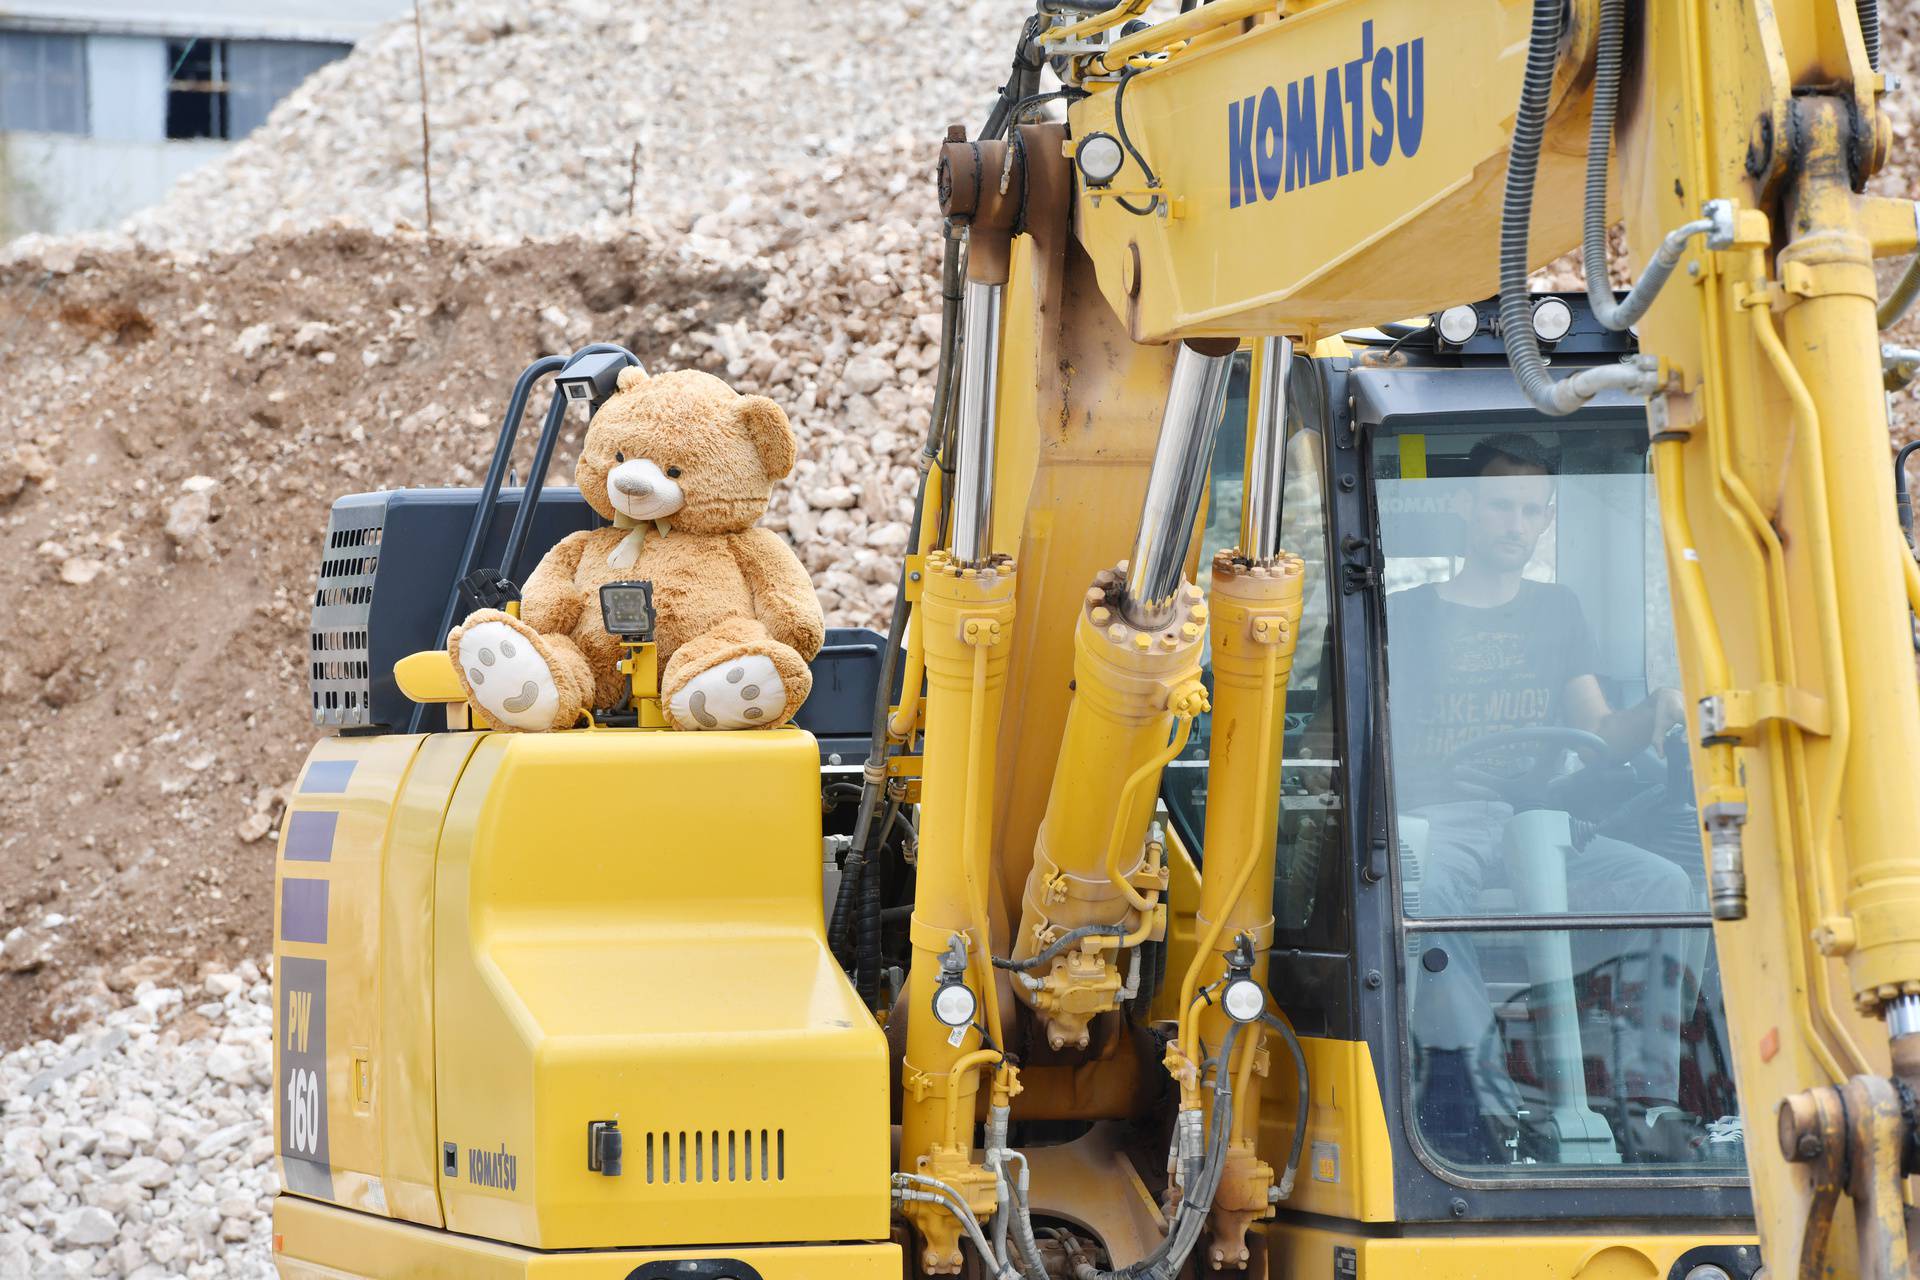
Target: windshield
pixel 1563 999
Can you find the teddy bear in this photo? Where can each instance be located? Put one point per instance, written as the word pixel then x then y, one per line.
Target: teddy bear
pixel 682 465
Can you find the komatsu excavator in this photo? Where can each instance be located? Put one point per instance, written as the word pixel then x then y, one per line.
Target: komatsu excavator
pixel 1365 759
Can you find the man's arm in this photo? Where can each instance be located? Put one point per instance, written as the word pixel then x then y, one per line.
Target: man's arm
pixel 1625 731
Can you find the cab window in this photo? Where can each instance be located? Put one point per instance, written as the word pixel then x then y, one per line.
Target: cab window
pixel 1562 996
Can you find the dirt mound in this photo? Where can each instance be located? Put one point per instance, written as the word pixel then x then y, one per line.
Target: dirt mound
pixel 174 438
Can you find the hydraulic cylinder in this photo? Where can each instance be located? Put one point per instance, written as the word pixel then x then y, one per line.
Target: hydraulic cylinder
pixel 1091 861
pixel 966 615
pixel 1255 611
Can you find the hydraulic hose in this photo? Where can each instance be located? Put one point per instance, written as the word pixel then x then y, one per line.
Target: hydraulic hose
pixel 1059 945
pixel 907 1186
pixel 873 785
pixel 1196 1201
pixel 866 952
pixel 1902 495
pixel 1628 311
pixel 1022 80
pixel 1870 29
pixel 1188 1030
pixel 874 781
pixel 844 903
pixel 971 842
pixel 1523 160
pixel 1900 300
pixel 1183 729
pixel 1549 396
pixel 1301 1107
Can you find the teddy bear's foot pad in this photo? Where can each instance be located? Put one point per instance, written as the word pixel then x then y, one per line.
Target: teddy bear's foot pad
pixel 742 694
pixel 510 679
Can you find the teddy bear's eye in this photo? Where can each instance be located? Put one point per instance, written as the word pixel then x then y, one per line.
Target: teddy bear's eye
pixel 673 473
pixel 619 456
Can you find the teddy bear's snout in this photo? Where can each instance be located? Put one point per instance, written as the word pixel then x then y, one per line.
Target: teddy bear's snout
pixel 638 488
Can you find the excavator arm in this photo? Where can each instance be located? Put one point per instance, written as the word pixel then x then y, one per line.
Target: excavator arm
pixel 1279 172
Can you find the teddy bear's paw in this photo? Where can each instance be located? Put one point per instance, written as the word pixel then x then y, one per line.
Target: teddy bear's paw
pixel 742 694
pixel 510 679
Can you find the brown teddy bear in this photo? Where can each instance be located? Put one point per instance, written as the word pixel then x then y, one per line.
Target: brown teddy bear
pixel 683 466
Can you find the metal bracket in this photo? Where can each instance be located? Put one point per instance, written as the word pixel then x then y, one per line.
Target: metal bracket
pixel 1734 714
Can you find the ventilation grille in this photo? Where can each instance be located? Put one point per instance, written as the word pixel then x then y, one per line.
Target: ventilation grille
pixel 337 668
pixel 687 1156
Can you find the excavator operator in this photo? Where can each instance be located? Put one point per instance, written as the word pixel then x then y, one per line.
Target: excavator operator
pixel 1492 651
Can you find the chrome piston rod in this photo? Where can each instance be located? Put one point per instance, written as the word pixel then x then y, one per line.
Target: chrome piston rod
pixel 1175 486
pixel 1266 453
pixel 974 433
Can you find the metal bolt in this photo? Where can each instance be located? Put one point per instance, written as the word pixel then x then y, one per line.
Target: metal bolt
pixel 1347 483
pixel 1374 980
pixel 1459 1207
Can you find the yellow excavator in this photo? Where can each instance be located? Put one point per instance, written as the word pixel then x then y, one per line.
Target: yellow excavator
pixel 1365 760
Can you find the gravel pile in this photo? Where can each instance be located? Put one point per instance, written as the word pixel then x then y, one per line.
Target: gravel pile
pixel 582 117
pixel 141 1147
pixel 743 188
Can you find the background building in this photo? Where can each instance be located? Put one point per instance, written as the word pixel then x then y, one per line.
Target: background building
pixel 103 103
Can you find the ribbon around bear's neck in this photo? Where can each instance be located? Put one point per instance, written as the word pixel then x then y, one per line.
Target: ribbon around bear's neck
pixel 627 552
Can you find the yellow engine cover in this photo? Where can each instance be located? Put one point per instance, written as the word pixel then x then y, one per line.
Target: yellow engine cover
pixel 520 935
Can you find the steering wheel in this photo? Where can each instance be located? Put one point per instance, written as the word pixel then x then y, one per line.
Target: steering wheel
pixel 1550 743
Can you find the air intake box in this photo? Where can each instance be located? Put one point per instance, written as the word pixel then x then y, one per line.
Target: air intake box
pixel 386 574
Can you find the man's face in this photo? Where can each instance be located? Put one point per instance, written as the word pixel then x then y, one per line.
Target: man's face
pixel 1506 509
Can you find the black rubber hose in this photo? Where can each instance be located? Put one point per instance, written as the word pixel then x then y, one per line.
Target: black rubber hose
pixel 1126 140
pixel 1870 29
pixel 1606 104
pixel 874 777
pixel 1060 944
pixel 840 923
pixel 1900 301
pixel 1523 161
pixel 866 973
pixel 1902 496
pixel 1022 79
pixel 1285 1032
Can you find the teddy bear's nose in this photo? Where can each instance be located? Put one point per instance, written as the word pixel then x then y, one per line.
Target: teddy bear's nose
pixel 633 486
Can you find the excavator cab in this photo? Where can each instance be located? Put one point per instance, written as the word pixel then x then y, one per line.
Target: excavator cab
pixel 1491 916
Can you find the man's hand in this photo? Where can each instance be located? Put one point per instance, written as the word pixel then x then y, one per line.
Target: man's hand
pixel 1665 709
pixel 1634 729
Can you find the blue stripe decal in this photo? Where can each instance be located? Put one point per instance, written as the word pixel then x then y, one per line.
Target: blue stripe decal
pixel 327 777
pixel 303 911
pixel 310 835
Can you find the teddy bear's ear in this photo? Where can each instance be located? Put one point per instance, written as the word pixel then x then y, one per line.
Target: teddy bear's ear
pixel 766 425
pixel 631 376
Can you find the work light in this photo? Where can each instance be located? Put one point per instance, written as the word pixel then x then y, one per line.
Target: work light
pixel 1099 157
pixel 1243 999
pixel 954 1003
pixel 1552 319
pixel 626 609
pixel 1457 324
pixel 591 378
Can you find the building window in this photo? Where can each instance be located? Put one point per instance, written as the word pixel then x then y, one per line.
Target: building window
pixel 43 82
pixel 197 91
pixel 261 72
